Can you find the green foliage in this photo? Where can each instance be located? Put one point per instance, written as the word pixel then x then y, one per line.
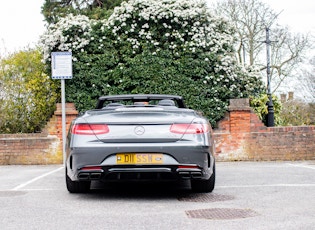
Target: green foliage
pixel 146 46
pixel 28 96
pixel 259 105
pixel 296 112
pixel 53 11
pixel 289 113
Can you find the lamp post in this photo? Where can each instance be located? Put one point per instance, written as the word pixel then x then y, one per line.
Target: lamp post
pixel 270 115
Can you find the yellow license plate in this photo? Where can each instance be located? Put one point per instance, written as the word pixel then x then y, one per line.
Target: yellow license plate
pixel 139 158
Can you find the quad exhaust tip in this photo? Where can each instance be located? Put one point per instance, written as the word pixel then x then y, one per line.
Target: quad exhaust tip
pixel 190 175
pixel 90 176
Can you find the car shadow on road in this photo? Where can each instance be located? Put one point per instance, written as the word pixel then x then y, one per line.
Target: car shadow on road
pixel 139 190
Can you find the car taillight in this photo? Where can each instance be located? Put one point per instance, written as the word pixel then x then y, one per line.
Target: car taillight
pixel 89 129
pixel 189 128
pixel 91 168
pixel 188 167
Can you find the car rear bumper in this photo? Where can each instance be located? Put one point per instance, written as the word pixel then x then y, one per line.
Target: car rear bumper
pixel 180 162
pixel 142 173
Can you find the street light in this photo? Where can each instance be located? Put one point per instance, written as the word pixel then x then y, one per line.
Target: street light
pixel 270 115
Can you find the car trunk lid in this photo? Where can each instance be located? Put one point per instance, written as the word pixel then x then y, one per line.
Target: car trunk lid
pixel 140 125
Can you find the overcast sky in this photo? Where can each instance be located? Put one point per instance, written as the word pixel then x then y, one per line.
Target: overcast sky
pixel 21 22
pixel 299 15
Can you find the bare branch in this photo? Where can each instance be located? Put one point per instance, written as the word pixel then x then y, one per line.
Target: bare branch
pixel 250 18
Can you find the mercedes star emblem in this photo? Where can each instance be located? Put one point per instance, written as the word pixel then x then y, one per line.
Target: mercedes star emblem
pixel 139 130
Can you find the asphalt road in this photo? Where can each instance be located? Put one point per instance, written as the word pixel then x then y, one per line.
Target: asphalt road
pixel 248 195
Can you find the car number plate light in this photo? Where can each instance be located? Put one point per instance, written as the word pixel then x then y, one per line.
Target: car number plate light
pixel 139 158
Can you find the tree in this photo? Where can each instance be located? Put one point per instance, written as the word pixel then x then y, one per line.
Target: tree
pixel 148 46
pixel 296 112
pixel 251 18
pixel 306 79
pixel 287 55
pixel 54 10
pixel 28 95
pixel 258 103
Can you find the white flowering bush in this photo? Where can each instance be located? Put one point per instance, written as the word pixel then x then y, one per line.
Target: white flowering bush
pixel 149 46
pixel 71 33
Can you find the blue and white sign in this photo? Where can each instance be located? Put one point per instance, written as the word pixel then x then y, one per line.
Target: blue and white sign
pixel 61 68
pixel 61 65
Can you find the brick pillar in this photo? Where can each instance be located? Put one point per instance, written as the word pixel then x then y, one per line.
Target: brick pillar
pixel 71 113
pixel 233 130
pixel 54 125
pixel 240 115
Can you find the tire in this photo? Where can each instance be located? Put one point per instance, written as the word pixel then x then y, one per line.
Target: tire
pixel 77 186
pixel 204 186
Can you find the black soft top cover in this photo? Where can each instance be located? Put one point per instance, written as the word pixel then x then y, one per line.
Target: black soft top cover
pixel 138 98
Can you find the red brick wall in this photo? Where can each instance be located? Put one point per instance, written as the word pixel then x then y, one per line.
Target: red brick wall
pixel 242 136
pixel 37 148
pixel 282 143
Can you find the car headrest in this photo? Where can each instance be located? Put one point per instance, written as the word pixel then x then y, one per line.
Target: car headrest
pixel 113 105
pixel 166 102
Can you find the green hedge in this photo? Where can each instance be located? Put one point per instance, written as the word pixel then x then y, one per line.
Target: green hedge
pixel 170 47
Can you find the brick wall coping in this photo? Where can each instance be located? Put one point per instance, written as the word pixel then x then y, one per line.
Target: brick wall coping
pixel 240 104
pixel 70 109
pixel 291 129
pixel 23 135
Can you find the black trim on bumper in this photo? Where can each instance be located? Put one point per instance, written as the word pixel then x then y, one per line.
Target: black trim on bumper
pixel 140 173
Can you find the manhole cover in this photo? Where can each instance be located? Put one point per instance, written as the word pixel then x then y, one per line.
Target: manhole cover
pixel 209 197
pixel 11 193
pixel 220 213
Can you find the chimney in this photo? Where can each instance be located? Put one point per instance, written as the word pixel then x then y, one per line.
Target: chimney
pixel 291 94
pixel 283 97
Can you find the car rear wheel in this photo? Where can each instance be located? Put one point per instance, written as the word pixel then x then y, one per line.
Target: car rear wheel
pixel 77 186
pixel 204 185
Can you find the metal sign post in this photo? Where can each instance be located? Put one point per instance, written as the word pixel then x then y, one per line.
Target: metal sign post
pixel 61 68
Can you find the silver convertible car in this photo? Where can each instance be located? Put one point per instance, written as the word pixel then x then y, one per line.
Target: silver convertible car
pixel 137 138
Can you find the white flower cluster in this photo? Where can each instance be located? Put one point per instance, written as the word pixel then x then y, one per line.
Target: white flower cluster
pixel 178 25
pixel 187 22
pixel 172 24
pixel 71 33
